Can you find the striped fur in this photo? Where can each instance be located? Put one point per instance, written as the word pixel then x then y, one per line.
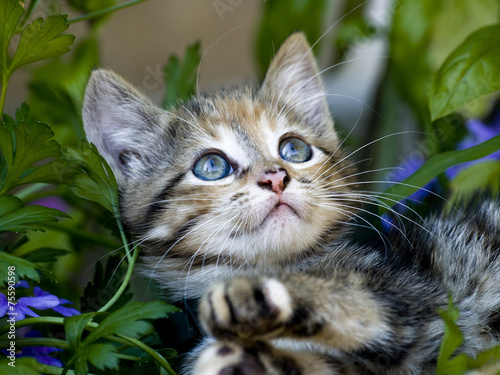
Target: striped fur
pixel 285 291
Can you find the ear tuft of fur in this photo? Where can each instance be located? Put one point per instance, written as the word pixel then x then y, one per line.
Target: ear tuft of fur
pixel 120 121
pixel 293 81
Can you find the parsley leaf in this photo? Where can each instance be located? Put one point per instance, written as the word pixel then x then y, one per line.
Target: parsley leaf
pixel 95 181
pixel 129 321
pixel 15 217
pixel 25 148
pixel 181 77
pixel 41 40
pixel 10 14
pixel 24 269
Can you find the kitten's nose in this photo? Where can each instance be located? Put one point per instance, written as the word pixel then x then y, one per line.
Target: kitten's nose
pixel 274 180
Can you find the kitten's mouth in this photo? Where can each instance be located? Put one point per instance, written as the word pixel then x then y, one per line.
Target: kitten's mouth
pixel 280 209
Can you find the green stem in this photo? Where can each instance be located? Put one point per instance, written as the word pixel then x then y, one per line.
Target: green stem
pixel 87 236
pixel 30 189
pixel 123 236
pixel 125 282
pixel 153 353
pixel 41 320
pixel 55 343
pixel 31 7
pixel 104 11
pixel 37 341
pixel 5 83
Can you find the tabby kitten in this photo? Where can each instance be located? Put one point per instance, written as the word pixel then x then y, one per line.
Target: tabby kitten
pixel 243 198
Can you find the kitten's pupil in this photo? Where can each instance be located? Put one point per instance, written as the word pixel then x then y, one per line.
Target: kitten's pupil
pixel 295 150
pixel 212 167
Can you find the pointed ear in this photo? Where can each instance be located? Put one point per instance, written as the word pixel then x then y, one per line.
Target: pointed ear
pixel 293 81
pixel 121 122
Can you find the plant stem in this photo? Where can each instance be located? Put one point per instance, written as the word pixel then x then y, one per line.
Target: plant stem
pixel 153 353
pixel 5 83
pixel 30 189
pixel 104 11
pixel 125 282
pixel 31 7
pixel 123 236
pixel 41 320
pixel 37 341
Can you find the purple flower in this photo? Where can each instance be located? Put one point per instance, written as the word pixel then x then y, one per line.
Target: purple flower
pixel 52 202
pixel 21 308
pixel 389 220
pixel 478 132
pixel 40 353
pixel 63 310
pixel 41 301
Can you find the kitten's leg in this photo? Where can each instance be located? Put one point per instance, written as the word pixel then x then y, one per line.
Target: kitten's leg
pixel 259 358
pixel 381 328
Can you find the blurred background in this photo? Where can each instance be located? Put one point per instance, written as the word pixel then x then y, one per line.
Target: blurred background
pixel 136 43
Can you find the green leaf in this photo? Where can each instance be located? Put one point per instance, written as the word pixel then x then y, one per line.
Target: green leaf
pixel 470 72
pixel 452 339
pixel 130 320
pixel 102 356
pixel 482 176
pixel 74 327
pixel 437 165
pixel 486 358
pixel 450 364
pixel 281 18
pixel 56 91
pixel 59 171
pixel 41 40
pixel 181 78
pixel 23 366
pixel 44 254
pixel 23 147
pixel 11 12
pixel 95 181
pixel 24 269
pixel 15 217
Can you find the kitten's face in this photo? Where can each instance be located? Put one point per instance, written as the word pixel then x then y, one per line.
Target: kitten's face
pixel 248 177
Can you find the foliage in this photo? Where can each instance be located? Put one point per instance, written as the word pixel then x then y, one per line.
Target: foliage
pixel 468 73
pixel 281 18
pixel 443 68
pixel 451 364
pixel 181 78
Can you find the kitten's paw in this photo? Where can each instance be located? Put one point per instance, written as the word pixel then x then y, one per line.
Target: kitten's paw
pixel 226 358
pixel 246 308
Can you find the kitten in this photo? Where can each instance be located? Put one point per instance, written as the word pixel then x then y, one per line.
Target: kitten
pixel 244 198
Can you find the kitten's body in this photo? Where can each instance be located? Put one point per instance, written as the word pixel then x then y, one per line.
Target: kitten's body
pixel 269 231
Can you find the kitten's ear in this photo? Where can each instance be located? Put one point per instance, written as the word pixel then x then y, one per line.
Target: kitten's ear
pixel 120 121
pixel 293 79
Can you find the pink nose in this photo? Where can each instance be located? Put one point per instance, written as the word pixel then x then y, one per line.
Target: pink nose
pixel 274 180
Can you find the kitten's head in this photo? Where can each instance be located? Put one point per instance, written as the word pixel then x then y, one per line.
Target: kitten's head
pixel 251 177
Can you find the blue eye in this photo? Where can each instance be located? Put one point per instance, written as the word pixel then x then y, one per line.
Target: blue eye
pixel 212 167
pixel 295 150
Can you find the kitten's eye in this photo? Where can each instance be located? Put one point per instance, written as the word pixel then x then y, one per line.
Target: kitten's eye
pixel 212 167
pixel 295 150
